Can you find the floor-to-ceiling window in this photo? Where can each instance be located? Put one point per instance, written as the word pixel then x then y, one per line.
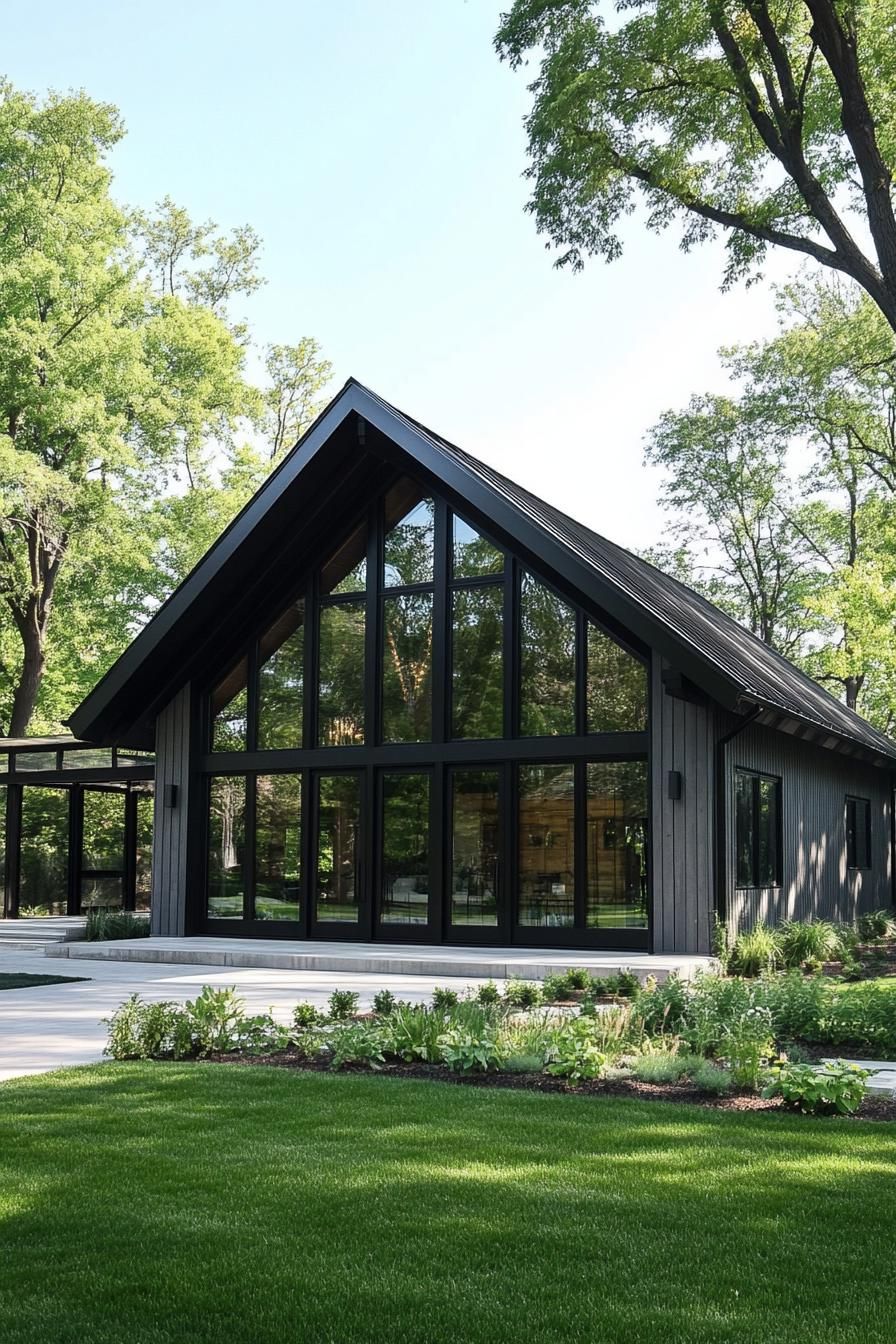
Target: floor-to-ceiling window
pixel 429 739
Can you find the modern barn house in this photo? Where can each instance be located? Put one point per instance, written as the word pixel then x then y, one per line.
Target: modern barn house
pixel 401 698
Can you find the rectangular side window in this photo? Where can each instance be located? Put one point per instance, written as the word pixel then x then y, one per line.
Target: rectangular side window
pixel 858 833
pixel 757 809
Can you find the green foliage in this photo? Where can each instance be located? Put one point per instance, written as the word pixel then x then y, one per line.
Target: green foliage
pixel 819 1089
pixel 811 940
pixel 522 1063
pixel 721 943
pixel 663 1066
pixel 522 994
pixel 756 950
pixel 262 1035
pixel 357 1043
pixel 467 1051
pixel 875 925
pixel 305 1015
pixel 563 984
pixel 383 1002
pixel 664 1008
pixel 140 1030
pixel 575 1050
pixel 797 1004
pixel 723 118
pixel 415 1030
pixel 708 1077
pixel 215 1019
pixel 860 1015
pixel 488 994
pixel 104 925
pixel 342 1004
pixel 748 1046
pixel 443 999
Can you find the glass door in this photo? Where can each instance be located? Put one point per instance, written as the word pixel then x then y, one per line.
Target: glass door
pixel 337 905
pixel 102 868
pixel 475 904
pixel 404 859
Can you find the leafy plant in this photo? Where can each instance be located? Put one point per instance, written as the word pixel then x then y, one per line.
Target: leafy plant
pixel 105 925
pixel 755 950
pixel 817 1089
pixel 357 1043
pixel 415 1031
pixel 661 1066
pixel 664 1007
pixel 627 984
pixel 262 1035
pixel 721 943
pixel 875 925
pixel 708 1077
pixel 305 1015
pixel 383 1002
pixel 342 1004
pixel 522 994
pixel 523 1063
pixel 488 994
pixel 810 940
pixel 140 1030
pixel 443 999
pixel 465 1051
pixel 574 1052
pixel 748 1046
pixel 215 1017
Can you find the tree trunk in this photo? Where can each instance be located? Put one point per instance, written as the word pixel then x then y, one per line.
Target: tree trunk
pixel 33 666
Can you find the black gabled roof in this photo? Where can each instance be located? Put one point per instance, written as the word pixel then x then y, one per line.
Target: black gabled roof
pixel 717 653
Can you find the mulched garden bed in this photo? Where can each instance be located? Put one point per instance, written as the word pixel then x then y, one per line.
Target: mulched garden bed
pixel 872 1108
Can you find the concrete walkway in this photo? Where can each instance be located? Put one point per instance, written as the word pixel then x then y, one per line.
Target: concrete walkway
pixel 54 1026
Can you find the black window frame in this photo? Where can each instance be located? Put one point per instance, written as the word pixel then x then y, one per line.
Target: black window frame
pixel 755 882
pixel 858 829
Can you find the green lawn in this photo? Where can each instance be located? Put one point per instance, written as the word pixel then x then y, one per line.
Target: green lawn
pixel 157 1203
pixel 10 981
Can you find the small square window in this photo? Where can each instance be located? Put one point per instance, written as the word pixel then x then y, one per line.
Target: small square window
pixel 858 833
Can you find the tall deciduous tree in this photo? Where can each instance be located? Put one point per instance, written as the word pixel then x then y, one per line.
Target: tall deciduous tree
pixel 790 488
pixel 122 382
pixel 769 119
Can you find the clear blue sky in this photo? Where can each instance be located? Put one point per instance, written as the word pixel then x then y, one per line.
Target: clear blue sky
pixel 378 149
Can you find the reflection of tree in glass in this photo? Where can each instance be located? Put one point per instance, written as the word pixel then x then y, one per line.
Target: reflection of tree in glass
pixel 341 684
pixel 281 689
pixel 230 707
pixel 227 823
pixel 409 548
pixel 617 686
pixel 547 662
pixel 474 556
pixel 44 851
pixel 478 662
pixel 278 828
pixel 407 668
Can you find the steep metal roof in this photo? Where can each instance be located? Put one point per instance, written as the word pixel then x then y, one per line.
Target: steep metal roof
pixel 718 654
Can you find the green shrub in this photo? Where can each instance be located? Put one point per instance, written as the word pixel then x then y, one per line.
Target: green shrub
pixel 383 1002
pixel 714 1001
pixel 139 1030
pixel 104 925
pixel 813 1089
pixel 708 1077
pixel 342 1004
pixel 863 1015
pixel 215 1017
pixel 748 1046
pixel 488 994
pixel 627 984
pixel 262 1035
pixel 522 1063
pixel 755 950
pixel 874 925
pixel 574 1052
pixel 467 1051
pixel 443 999
pixel 664 1008
pixel 305 1015
pixel 522 994
pixel 528 1037
pixel 414 1032
pixel 554 987
pixel 661 1066
pixel 357 1043
pixel 797 1004
pixel 811 940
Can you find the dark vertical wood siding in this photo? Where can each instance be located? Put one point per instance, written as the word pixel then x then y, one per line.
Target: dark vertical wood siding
pixel 682 739
pixel 814 786
pixel 169 869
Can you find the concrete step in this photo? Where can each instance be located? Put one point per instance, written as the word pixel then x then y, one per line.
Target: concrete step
pixel 379 958
pixel 40 931
pixel 25 945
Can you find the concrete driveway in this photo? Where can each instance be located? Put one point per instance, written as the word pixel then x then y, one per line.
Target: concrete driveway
pixel 54 1026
